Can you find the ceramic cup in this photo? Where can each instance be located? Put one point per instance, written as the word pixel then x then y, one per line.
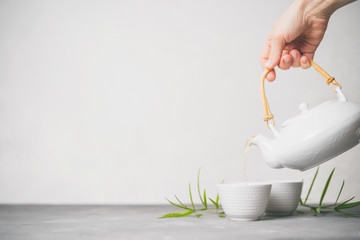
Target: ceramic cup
pixel 284 198
pixel 244 201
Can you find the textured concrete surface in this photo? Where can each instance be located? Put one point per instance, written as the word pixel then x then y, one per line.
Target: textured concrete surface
pixel 140 222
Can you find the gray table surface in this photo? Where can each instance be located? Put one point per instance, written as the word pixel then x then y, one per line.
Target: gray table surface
pixel 53 222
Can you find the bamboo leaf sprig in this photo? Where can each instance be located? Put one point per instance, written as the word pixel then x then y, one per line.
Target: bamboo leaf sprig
pixel 192 209
pixel 315 210
pixel 337 206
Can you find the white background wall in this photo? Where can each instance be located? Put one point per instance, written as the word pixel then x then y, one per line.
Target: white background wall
pixel 123 101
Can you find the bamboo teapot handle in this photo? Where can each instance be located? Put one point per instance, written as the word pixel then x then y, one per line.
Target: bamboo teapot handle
pixel 266 108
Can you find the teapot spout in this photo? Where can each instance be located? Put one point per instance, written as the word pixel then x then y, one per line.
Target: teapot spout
pixel 266 146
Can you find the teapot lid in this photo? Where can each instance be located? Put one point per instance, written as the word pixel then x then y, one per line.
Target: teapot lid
pixel 326 115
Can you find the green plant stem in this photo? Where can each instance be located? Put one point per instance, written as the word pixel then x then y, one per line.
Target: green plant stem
pixel 180 201
pixel 191 199
pixel 198 186
pixel 312 183
pixel 325 189
pixel 342 186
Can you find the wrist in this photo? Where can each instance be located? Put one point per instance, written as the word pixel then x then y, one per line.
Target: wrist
pixel 320 8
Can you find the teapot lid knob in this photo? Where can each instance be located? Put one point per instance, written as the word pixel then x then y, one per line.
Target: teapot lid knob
pixel 304 107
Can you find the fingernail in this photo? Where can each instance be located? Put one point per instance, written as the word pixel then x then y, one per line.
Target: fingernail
pixel 287 61
pixel 268 63
pixel 294 55
pixel 304 60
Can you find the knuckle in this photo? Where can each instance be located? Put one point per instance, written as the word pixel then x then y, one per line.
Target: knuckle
pixel 277 37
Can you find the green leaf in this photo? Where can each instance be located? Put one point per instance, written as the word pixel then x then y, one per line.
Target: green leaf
pixel 215 204
pixel 312 183
pixel 191 199
pixel 198 186
pixel 349 205
pixel 176 205
pixel 222 214
pixel 327 206
pixel 339 192
pixel 205 199
pixel 199 215
pixel 181 202
pixel 341 213
pixel 217 197
pixel 301 202
pixel 343 203
pixel 326 188
pixel 202 209
pixel 313 211
pixel 308 206
pixel 347 214
pixel 178 214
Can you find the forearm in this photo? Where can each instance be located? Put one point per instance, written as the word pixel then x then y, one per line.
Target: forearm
pixel 321 8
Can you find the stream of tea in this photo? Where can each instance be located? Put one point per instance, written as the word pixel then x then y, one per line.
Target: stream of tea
pixel 246 157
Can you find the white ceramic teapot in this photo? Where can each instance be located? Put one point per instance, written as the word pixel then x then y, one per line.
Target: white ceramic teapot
pixel 315 135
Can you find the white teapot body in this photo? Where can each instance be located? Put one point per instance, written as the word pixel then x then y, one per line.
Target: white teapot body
pixel 314 136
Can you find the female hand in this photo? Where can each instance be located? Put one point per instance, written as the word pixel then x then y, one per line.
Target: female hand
pixel 296 35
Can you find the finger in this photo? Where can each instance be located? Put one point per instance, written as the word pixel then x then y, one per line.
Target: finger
pixel 264 57
pixel 285 51
pixel 295 54
pixel 285 62
pixel 304 62
pixel 277 46
pixel 271 76
pixel 310 55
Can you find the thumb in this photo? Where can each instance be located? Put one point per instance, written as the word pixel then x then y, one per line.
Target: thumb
pixel 277 46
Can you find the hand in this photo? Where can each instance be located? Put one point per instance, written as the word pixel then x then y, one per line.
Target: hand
pixel 296 35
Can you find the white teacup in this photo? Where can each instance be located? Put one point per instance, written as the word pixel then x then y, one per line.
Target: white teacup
pixel 284 198
pixel 244 201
